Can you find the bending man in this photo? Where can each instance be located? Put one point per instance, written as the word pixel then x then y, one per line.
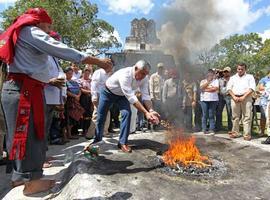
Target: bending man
pixel 120 89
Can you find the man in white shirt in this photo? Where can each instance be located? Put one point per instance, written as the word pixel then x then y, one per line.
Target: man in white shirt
pixel 156 83
pixel 99 78
pixel 120 89
pixel 240 87
pixel 77 73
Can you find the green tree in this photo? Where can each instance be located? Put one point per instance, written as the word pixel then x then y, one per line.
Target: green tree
pixel 76 21
pixel 263 55
pixel 235 49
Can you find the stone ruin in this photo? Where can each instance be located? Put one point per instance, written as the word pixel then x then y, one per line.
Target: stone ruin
pixel 142 35
pixel 141 44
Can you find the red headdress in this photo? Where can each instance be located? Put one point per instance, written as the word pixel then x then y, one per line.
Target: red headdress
pixel 9 38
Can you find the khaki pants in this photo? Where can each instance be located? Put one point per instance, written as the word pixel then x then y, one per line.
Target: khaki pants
pixel 92 128
pixel 242 110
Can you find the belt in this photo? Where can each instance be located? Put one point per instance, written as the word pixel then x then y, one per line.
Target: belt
pixel 108 89
pixel 239 95
pixel 31 96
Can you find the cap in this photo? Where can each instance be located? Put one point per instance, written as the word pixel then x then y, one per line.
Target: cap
pixel 160 65
pixel 227 69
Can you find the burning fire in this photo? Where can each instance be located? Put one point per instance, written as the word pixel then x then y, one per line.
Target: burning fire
pixel 183 151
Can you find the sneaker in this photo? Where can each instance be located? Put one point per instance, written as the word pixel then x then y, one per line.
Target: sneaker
pixel 267 141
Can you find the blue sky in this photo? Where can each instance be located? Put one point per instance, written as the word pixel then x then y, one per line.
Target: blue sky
pixel 252 15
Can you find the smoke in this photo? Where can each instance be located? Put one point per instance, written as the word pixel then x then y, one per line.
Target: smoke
pixel 191 26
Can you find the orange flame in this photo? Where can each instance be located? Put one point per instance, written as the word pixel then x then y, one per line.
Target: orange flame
pixel 184 151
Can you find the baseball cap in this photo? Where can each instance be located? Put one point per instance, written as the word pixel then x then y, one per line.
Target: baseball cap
pixel 227 69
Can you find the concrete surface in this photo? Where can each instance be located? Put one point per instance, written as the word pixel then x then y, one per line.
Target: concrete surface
pixel 115 175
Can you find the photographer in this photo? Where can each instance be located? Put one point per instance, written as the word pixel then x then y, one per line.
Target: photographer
pixel 224 99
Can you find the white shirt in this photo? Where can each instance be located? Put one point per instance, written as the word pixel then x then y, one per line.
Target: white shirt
pixel 31 53
pixel 76 76
pixel 99 78
pixel 210 96
pixel 53 95
pixel 240 85
pixel 123 83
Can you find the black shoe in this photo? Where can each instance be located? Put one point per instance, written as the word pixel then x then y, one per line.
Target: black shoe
pixel 57 141
pixel 111 131
pixel 267 141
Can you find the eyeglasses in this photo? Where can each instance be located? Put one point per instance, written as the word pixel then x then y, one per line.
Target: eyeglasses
pixel 226 71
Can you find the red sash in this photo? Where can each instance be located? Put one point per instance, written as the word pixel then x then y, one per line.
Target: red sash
pixel 31 96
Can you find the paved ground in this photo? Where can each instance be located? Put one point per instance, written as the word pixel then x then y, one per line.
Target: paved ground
pixel 115 175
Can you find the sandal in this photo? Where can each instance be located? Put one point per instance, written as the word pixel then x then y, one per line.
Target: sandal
pixel 247 137
pixel 234 135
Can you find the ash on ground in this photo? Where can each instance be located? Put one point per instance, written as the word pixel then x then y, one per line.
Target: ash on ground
pixel 218 169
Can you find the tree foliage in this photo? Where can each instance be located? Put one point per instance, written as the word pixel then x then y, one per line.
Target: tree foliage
pixel 246 48
pixel 76 22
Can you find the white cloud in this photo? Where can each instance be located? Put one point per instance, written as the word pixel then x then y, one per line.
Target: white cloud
pixel 267 10
pixel 7 1
pixel 265 35
pixel 105 36
pixel 116 34
pixel 130 6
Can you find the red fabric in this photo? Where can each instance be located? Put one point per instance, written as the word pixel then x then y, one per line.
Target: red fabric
pixel 9 38
pixel 31 96
pixel 55 35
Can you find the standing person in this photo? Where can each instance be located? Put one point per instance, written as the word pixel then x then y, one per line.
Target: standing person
pixel 264 96
pixel 198 108
pixel 99 78
pixel 189 100
pixel 25 47
pixel 208 100
pixel 172 98
pixel 240 87
pixel 77 72
pixel 74 111
pixel 224 100
pixel 156 83
pixel 53 92
pixel 120 89
pixel 85 99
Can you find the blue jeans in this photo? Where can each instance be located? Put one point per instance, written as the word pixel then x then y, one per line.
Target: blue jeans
pixel 224 101
pixel 208 113
pixel 106 99
pixel 188 117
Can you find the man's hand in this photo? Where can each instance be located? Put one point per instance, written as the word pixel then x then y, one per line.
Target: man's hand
pixel 106 64
pixel 193 104
pixel 236 99
pixel 241 99
pixel 57 82
pixel 153 117
pixel 155 113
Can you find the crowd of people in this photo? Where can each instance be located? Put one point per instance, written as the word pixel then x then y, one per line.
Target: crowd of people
pixel 197 103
